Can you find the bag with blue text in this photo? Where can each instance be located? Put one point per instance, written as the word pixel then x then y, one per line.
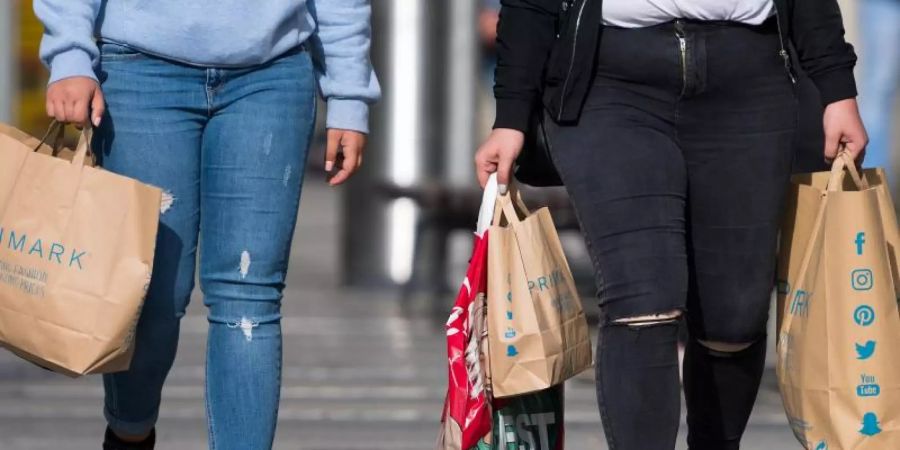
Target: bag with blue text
pixel 838 323
pixel 76 254
pixel 537 331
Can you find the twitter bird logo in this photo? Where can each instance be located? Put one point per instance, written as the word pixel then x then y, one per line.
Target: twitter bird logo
pixel 865 351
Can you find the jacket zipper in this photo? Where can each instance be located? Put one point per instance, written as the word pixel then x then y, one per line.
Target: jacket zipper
pixel 682 45
pixel 783 52
pixel 565 87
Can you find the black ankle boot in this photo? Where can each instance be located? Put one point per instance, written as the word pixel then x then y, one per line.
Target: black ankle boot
pixel 112 442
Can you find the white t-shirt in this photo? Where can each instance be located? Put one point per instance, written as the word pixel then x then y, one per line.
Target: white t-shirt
pixel 645 13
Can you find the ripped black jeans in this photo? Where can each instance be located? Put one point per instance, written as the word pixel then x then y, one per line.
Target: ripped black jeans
pixel 677 170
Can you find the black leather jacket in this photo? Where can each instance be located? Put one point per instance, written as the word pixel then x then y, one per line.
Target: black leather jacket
pixel 546 50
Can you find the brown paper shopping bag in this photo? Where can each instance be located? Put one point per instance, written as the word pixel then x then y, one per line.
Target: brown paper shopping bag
pixel 76 253
pixel 537 332
pixel 839 329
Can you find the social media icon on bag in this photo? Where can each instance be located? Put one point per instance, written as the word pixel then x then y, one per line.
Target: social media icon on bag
pixel 870 425
pixel 868 387
pixel 859 241
pixel 865 351
pixel 822 445
pixel 511 351
pixel 864 315
pixel 861 279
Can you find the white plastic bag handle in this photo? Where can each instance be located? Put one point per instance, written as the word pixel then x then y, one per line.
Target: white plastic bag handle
pixel 488 201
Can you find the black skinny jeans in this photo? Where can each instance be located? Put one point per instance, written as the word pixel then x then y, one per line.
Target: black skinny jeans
pixel 677 170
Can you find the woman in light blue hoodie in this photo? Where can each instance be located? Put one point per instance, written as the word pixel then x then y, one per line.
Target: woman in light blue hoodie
pixel 213 101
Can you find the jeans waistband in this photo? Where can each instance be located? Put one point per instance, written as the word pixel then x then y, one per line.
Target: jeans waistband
pixel 685 56
pixel 110 47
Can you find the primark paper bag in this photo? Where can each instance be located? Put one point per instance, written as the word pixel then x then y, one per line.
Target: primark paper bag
pixel 838 324
pixel 76 254
pixel 537 331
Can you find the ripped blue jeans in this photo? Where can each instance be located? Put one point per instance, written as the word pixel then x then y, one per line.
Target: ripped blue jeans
pixel 228 148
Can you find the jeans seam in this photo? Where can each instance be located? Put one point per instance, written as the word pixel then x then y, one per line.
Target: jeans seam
pixel 114 396
pixel 279 367
pixel 595 261
pixel 209 93
pixel 604 416
pixel 209 416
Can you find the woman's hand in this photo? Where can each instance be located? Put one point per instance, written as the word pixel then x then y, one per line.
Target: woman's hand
pixel 487 27
pixel 844 130
pixel 344 152
pixel 498 154
pixel 74 100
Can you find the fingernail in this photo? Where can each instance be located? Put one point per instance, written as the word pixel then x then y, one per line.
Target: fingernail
pixel 96 121
pixel 329 165
pixel 502 189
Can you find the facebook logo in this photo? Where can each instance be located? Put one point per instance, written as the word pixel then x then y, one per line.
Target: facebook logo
pixel 860 240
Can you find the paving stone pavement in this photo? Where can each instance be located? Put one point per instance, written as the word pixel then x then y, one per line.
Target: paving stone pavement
pixel 363 370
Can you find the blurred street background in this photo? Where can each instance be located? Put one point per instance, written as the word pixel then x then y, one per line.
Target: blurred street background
pixel 375 265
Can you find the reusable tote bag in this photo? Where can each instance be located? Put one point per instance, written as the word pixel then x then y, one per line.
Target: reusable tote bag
pixel 839 330
pixel 76 254
pixel 537 331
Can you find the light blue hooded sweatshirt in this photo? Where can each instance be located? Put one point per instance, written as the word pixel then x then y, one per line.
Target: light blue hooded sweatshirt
pixel 223 33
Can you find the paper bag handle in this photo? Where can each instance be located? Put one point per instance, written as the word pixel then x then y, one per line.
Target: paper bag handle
pixel 510 205
pixel 55 127
pixel 82 150
pixel 84 147
pixel 845 161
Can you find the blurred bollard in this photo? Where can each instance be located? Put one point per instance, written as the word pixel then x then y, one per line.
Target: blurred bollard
pixel 8 41
pixel 464 60
pixel 422 132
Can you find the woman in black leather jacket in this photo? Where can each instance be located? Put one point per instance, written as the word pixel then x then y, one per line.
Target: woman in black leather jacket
pixel 672 129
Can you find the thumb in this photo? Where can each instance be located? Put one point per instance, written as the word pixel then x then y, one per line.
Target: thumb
pixel 504 172
pixel 855 150
pixel 98 106
pixel 832 145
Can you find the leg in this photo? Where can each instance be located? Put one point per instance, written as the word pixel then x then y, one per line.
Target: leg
pixel 626 179
pixel 737 138
pixel 151 132
pixel 254 152
pixel 720 390
pixel 637 384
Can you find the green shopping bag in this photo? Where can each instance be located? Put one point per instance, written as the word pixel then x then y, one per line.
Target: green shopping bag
pixel 528 422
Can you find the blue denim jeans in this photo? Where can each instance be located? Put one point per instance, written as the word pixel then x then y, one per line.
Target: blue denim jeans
pixel 228 148
pixel 880 76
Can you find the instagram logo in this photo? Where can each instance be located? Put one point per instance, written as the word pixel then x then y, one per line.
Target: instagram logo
pixel 861 279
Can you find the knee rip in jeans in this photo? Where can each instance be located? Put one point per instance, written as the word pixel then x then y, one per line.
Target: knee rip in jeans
pixel 726 349
pixel 166 202
pixel 650 319
pixel 246 325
